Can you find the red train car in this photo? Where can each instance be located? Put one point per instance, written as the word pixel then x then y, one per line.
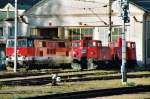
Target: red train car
pixel 37 52
pixel 25 51
pixel 91 54
pixel 85 53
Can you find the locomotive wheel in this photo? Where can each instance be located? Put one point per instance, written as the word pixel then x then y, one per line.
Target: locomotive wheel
pixel 26 67
pixel 76 66
pixel 9 67
pixel 91 64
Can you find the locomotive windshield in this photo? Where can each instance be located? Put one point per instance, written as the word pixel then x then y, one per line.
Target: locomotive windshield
pixel 76 44
pixel 10 43
pixel 30 43
pixel 20 43
pixel 89 44
pixel 85 44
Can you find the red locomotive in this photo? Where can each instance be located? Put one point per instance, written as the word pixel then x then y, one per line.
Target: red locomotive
pixel 88 54
pixel 37 52
pixel 91 54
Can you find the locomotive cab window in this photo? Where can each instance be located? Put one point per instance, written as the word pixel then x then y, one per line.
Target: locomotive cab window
pixel 89 44
pixel 76 44
pixel 42 44
pixel 99 44
pixel 133 45
pixel 61 44
pixel 22 43
pixel 30 43
pixel 128 44
pixel 10 43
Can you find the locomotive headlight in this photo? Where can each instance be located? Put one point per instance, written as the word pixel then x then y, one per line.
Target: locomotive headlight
pixel 21 58
pixel 25 58
pixel 8 58
pixel 92 53
pixel 73 52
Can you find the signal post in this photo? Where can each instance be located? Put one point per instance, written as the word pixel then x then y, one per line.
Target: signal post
pixel 124 4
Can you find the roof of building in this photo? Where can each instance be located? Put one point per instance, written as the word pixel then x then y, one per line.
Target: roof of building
pixel 26 4
pixel 144 4
pixel 22 4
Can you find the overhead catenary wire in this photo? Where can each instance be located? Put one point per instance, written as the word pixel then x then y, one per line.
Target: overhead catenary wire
pixel 97 16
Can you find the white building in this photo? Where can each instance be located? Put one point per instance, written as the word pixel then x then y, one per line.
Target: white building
pixel 7 14
pixel 7 22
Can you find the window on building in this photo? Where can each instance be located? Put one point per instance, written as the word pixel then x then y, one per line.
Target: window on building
pixel 34 32
pixel 79 33
pixel 116 32
pixel 1 31
pixel 45 32
pixel 11 31
pixel 87 32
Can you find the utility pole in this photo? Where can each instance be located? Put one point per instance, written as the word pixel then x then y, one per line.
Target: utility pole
pixel 15 37
pixel 125 19
pixel 110 24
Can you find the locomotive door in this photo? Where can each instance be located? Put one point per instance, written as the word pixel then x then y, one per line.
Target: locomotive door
pixel 2 56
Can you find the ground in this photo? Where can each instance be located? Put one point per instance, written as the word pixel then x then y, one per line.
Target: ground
pixel 142 95
pixel 11 92
pixel 7 92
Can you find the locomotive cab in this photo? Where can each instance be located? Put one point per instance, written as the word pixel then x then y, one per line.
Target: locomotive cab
pixel 116 53
pixel 85 53
pixel 25 51
pixel 131 54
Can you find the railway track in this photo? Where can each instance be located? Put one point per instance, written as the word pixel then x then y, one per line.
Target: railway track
pixel 95 93
pixel 4 75
pixel 46 79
